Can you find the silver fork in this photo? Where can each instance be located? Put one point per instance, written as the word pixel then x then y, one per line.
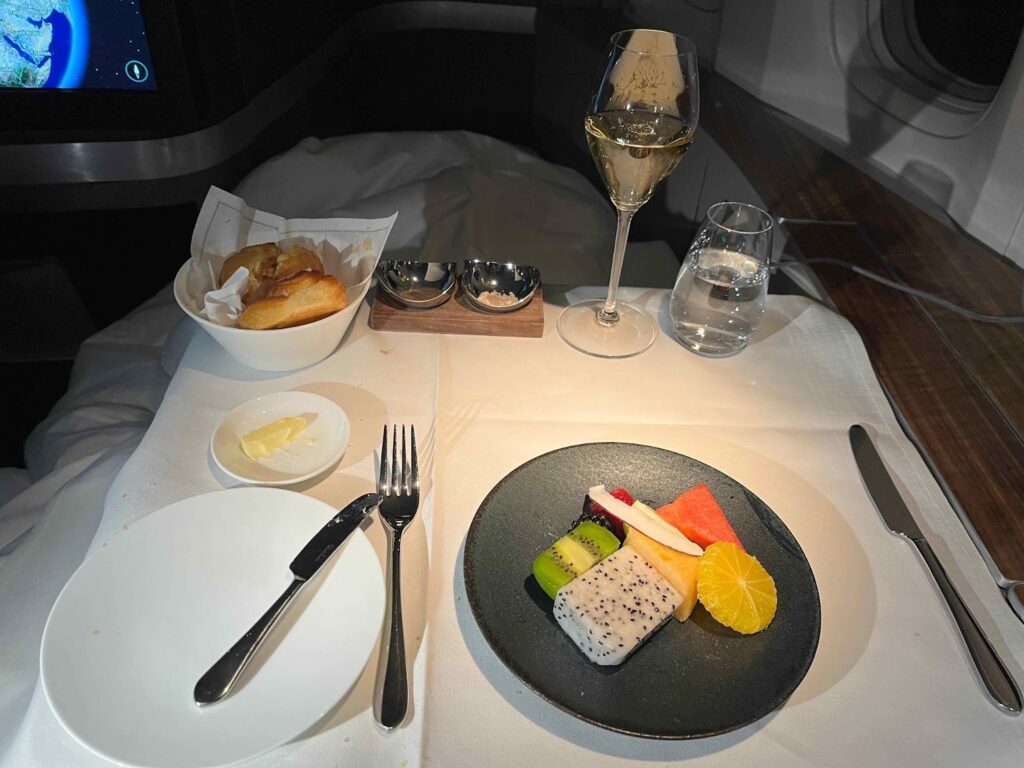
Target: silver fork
pixel 401 491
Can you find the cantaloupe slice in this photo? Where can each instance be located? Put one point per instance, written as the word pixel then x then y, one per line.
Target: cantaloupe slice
pixel 676 568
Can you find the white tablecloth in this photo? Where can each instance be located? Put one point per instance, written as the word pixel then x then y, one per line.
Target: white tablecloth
pixel 891 683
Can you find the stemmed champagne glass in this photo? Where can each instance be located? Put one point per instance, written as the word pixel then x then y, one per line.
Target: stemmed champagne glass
pixel 639 124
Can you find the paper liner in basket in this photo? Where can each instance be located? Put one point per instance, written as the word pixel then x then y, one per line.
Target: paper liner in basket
pixel 349 249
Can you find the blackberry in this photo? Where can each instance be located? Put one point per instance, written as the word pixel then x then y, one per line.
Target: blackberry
pixel 588 515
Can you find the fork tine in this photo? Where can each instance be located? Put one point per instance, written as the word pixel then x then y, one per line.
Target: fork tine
pixel 396 468
pixel 415 463
pixel 405 465
pixel 382 481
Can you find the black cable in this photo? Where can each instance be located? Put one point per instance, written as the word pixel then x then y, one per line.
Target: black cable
pixel 969 313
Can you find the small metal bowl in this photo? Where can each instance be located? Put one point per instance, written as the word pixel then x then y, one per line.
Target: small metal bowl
pixel 418 284
pixel 495 287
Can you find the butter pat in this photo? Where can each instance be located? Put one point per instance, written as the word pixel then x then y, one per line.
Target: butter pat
pixel 264 441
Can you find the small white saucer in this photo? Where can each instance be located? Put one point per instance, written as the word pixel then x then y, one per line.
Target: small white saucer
pixel 321 444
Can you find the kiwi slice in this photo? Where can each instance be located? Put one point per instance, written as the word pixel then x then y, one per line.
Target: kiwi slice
pixel 578 551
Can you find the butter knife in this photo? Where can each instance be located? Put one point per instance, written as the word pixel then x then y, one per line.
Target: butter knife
pixel 222 676
pixel 897 517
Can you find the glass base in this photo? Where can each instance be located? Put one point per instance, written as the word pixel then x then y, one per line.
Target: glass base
pixel 710 342
pixel 581 329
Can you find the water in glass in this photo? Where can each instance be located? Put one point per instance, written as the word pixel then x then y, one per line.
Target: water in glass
pixel 718 300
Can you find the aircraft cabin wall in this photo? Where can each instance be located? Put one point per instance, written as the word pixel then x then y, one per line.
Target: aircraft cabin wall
pixel 838 67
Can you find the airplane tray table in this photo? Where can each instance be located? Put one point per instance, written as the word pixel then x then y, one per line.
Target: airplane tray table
pixel 890 684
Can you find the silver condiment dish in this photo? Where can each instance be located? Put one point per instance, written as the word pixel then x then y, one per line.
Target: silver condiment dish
pixel 492 286
pixel 418 284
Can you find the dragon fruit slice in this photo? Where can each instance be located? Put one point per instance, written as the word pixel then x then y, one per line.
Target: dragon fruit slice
pixel 616 605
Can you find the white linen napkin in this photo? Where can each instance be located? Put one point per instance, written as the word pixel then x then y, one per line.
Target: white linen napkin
pixel 224 305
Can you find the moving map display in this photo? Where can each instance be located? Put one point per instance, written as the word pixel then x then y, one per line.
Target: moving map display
pixel 74 45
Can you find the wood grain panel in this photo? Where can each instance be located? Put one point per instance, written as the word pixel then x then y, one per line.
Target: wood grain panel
pixel 979 454
pixel 457 316
pixel 800 179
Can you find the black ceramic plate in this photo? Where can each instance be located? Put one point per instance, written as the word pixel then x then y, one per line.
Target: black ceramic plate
pixel 689 680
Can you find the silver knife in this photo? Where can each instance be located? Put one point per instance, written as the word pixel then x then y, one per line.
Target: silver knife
pixel 897 517
pixel 222 676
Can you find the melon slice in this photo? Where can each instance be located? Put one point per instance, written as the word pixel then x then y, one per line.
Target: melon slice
pixel 677 569
pixel 698 517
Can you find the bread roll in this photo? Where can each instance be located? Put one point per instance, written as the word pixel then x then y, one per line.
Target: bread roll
pixel 267 265
pixel 300 299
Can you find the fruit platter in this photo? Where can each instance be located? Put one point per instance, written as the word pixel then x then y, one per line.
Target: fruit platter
pixel 624 569
pixel 642 591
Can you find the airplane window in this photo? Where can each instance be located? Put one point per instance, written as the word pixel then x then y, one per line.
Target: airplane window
pixel 74 44
pixel 973 39
pixel 958 47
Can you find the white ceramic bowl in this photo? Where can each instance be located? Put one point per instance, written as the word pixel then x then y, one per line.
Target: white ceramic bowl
pixel 283 349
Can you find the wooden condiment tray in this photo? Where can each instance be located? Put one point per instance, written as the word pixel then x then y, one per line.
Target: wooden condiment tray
pixel 457 316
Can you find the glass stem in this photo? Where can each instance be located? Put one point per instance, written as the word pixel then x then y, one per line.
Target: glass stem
pixel 607 315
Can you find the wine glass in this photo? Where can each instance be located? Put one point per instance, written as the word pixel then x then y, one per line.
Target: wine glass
pixel 639 124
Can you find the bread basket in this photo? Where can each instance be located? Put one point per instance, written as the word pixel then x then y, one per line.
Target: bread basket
pixel 283 349
pixel 348 248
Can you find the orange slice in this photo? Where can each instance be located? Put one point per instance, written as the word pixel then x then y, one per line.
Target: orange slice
pixel 735 588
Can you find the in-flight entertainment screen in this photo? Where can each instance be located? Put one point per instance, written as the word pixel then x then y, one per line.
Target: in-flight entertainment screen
pixel 74 45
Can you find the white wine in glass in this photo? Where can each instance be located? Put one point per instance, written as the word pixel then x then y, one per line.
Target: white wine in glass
pixel 634 150
pixel 642 119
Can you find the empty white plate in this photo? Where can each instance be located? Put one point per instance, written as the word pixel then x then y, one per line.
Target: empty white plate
pixel 145 616
pixel 321 444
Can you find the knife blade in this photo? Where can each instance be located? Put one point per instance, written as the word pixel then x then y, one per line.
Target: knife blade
pixel 219 679
pixel 333 535
pixel 897 517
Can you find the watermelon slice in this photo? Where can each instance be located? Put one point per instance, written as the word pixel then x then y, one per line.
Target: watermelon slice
pixel 699 518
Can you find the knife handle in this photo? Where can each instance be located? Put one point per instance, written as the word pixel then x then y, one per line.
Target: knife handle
pixel 997 680
pixel 222 676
